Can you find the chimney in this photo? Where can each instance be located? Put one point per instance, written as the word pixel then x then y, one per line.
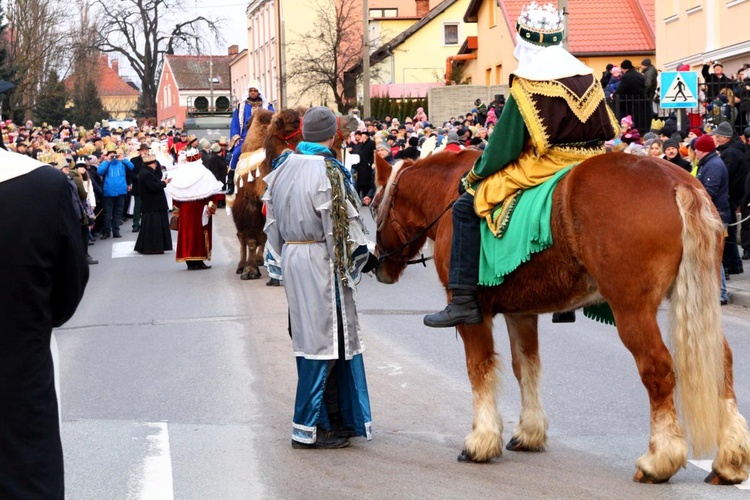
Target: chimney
pixel 232 50
pixel 423 8
pixel 116 66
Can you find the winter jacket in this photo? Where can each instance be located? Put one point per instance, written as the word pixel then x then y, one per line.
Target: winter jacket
pixel 113 172
pixel 712 173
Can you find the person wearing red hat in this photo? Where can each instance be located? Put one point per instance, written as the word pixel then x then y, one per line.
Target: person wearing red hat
pixel 712 173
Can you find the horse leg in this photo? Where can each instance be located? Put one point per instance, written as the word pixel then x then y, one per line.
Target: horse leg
pixel 243 254
pixel 531 432
pixel 733 457
pixel 485 441
pixel 667 449
pixel 251 270
pixel 260 254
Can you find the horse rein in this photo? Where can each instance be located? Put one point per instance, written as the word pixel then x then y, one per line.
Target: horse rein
pixel 399 230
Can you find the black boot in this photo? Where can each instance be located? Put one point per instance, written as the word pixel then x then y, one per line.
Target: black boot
pixel 325 440
pixel 463 309
pixel 564 317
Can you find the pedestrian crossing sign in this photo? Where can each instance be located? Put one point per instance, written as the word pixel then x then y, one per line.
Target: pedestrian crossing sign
pixel 679 89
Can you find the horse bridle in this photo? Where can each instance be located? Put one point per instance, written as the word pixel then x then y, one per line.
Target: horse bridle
pixel 293 134
pixel 399 229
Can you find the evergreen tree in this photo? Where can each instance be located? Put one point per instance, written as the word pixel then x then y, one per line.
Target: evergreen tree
pixel 87 105
pixel 7 71
pixel 53 96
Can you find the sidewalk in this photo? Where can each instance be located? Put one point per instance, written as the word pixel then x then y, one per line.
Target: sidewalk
pixel 738 286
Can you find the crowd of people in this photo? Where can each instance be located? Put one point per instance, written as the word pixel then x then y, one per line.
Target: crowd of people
pixel 635 92
pixel 125 174
pixel 416 138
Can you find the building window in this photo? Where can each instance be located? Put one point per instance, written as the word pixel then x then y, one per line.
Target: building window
pixel 375 13
pixel 493 14
pixel 498 74
pixel 450 34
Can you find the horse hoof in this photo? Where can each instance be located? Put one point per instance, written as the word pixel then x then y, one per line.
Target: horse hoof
pixel 716 479
pixel 250 276
pixel 465 458
pixel 238 271
pixel 515 445
pixel 644 478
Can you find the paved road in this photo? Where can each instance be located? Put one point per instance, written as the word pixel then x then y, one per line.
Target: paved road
pixel 180 384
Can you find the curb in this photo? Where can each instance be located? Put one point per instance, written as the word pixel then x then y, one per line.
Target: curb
pixel 738 297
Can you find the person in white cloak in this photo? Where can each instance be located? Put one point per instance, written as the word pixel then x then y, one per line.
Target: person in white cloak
pixel 313 223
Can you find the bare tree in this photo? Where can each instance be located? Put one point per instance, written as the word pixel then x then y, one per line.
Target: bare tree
pixel 321 56
pixel 37 44
pixel 138 30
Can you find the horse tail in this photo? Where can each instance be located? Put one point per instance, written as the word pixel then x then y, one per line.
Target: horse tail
pixel 695 320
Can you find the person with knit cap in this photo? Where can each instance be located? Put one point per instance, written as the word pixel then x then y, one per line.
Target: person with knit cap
pixel 732 152
pixel 538 123
pixel 712 173
pixel 313 224
pixel 672 154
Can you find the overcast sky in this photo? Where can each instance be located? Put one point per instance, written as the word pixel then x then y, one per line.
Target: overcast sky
pixel 234 24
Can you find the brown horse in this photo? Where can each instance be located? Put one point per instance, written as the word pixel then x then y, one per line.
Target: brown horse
pixel 611 213
pixel 282 131
pixel 246 208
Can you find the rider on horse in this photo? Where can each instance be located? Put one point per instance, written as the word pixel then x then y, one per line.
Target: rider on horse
pixel 556 116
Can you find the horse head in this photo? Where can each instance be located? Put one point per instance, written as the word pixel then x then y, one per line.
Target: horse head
pixel 284 132
pixel 408 209
pixel 398 221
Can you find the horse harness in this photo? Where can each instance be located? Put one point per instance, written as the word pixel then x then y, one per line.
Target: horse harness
pixel 399 229
pixel 287 138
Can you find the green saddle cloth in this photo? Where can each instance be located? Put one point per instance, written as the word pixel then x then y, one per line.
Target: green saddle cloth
pixel 530 233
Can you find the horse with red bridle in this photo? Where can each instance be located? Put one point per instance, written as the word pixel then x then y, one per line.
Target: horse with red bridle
pixel 627 230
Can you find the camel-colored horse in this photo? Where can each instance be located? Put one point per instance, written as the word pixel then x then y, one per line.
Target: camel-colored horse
pixel 627 230
pixel 276 134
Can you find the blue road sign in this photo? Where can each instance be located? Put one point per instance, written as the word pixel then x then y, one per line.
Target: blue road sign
pixel 679 89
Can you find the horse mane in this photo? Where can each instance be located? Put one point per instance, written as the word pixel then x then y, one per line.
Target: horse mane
pixel 438 169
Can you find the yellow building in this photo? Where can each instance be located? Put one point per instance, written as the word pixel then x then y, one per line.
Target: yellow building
pixel 599 33
pixel 697 31
pixel 415 59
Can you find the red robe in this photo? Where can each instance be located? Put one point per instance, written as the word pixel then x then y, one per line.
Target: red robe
pixel 193 238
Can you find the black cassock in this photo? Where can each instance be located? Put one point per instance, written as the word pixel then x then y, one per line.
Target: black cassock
pixel 154 236
pixel 43 274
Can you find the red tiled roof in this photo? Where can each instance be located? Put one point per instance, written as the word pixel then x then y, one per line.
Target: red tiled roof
pixel 108 82
pixel 601 27
pixel 193 72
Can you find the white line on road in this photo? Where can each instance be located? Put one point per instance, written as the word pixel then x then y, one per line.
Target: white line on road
pixel 706 466
pixel 156 482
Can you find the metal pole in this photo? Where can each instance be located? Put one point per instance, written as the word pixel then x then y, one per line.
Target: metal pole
pixel 365 60
pixel 562 5
pixel 211 79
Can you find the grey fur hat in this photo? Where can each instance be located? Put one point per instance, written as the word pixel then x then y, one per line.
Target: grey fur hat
pixel 318 124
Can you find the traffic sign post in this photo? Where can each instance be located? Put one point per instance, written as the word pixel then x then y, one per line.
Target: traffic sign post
pixel 679 89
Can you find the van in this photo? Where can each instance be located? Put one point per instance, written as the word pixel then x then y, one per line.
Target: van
pixel 210 127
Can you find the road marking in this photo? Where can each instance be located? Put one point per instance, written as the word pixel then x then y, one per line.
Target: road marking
pixel 156 481
pixel 127 249
pixel 706 466
pixel 391 369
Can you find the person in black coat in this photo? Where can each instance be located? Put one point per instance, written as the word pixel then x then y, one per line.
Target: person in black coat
pixel 135 191
pixel 365 174
pixel 672 155
pixel 217 164
pixel 154 236
pixel 411 152
pixel 44 273
pixel 732 153
pixel 632 96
